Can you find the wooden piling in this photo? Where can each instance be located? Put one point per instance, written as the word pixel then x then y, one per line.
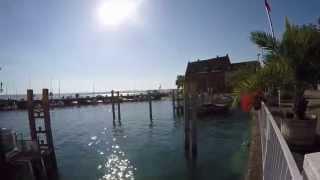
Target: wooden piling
pixel 43 135
pixel 190 116
pixel 178 103
pixel 119 110
pixel 150 105
pixel 32 123
pixel 47 124
pixel 193 128
pixel 186 123
pixel 173 101
pixel 112 104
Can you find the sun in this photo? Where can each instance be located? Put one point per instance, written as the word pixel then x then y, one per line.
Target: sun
pixel 117 12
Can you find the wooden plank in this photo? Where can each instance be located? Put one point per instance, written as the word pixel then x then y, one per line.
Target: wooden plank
pixel 42 132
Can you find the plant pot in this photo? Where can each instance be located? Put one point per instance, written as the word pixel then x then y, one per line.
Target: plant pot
pixel 299 132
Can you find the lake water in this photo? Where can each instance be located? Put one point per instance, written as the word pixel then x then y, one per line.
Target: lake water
pixel 90 147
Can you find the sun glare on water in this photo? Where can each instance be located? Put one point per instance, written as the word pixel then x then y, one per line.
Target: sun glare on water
pixel 117 12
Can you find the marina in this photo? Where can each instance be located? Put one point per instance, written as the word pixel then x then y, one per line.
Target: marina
pixel 19 102
pixel 86 140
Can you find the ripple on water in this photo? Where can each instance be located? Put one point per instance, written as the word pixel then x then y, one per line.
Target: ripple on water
pixel 115 165
pixel 94 138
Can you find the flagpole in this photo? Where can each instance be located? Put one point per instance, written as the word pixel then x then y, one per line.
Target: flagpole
pixel 268 9
pixel 270 22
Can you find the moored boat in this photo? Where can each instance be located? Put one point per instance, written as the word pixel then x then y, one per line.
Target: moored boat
pixel 212 109
pixel 220 105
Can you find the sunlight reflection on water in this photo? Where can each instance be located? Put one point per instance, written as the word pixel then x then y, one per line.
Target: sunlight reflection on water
pixel 115 165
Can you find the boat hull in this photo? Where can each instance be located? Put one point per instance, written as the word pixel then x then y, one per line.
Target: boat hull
pixel 212 109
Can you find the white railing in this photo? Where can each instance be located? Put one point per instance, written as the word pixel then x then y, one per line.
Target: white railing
pixel 277 159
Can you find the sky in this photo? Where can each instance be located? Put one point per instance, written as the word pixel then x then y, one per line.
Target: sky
pixel 99 45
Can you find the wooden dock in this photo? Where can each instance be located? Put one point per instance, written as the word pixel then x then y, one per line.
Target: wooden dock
pixel 79 99
pixel 32 159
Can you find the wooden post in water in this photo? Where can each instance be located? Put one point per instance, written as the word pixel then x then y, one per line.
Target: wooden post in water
pixel 43 135
pixel 173 102
pixel 48 131
pixel 178 103
pixel 119 110
pixel 193 128
pixel 190 116
pixel 32 123
pixel 112 104
pixel 150 105
pixel 186 123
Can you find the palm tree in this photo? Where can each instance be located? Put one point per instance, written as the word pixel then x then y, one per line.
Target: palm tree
pixel 274 75
pixel 294 59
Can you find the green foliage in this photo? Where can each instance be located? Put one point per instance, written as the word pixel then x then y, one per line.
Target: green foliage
pixel 180 81
pixel 264 40
pixel 293 61
pixel 275 73
pixel 301 47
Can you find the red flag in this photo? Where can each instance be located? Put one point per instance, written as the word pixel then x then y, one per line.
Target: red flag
pixel 267 6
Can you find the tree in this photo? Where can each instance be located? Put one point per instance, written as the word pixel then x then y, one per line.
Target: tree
pixel 294 59
pixel 180 81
